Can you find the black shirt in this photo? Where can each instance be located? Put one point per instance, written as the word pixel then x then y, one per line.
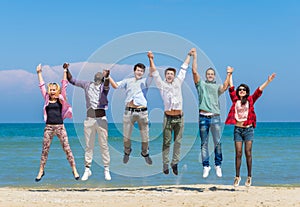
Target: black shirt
pixel 54 115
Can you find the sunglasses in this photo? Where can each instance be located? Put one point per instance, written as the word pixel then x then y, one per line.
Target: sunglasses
pixel 52 84
pixel 242 89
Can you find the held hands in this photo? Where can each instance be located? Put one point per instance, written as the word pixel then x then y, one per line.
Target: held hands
pixel 192 52
pixel 39 68
pixel 230 69
pixel 150 55
pixel 66 66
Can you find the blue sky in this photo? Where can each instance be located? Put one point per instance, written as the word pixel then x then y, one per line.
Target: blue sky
pixel 256 37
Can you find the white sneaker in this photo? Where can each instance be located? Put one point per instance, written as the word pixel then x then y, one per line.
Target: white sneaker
pixel 206 171
pixel 218 171
pixel 87 173
pixel 248 181
pixel 236 181
pixel 106 173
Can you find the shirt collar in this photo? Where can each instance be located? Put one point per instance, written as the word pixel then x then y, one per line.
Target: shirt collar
pixel 212 82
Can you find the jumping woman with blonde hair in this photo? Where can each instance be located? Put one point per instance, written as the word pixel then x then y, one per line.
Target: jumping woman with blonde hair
pixel 56 109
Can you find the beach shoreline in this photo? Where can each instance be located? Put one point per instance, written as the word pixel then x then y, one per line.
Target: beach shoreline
pixel 147 196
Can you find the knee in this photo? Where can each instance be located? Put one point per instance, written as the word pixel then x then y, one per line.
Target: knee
pixel 238 154
pixel 248 154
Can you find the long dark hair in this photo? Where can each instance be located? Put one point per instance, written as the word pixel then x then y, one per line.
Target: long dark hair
pixel 244 99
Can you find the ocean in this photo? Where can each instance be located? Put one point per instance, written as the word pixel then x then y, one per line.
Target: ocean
pixel 276 158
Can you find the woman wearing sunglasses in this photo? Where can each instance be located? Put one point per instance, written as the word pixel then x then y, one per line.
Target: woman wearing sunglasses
pixel 56 109
pixel 242 115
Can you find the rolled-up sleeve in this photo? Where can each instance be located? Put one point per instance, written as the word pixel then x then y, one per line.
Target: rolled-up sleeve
pixel 182 72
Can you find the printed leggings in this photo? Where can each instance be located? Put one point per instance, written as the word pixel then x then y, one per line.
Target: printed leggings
pixel 49 132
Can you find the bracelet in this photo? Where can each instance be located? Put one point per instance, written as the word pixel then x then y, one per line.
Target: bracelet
pixel 229 72
pixel 38 71
pixel 65 70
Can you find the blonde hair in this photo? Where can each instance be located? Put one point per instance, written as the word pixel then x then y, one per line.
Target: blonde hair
pixel 57 87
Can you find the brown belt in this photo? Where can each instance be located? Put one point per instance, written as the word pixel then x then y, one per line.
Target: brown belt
pixel 95 113
pixel 174 116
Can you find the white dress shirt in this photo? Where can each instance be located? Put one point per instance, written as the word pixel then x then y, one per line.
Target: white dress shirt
pixel 171 92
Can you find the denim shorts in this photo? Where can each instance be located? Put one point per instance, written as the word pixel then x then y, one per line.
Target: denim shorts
pixel 243 134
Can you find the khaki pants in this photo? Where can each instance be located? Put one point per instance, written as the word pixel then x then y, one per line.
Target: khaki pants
pixel 91 127
pixel 129 119
pixel 170 125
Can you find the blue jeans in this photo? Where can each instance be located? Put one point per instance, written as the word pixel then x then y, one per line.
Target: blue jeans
pixel 212 124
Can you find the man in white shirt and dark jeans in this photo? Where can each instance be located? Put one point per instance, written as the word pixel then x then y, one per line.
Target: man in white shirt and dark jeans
pixel 170 90
pixel 136 89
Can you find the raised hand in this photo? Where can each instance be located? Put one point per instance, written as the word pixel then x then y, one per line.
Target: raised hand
pixel 271 77
pixel 192 52
pixel 66 65
pixel 230 69
pixel 150 55
pixel 39 68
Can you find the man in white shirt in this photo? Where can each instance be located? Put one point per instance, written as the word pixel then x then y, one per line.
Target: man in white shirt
pixel 170 90
pixel 136 89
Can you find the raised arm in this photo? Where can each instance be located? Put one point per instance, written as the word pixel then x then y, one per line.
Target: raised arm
pixel 64 82
pixel 106 77
pixel 270 79
pixel 184 67
pixel 66 67
pixel 41 81
pixel 67 75
pixel 196 75
pixel 228 79
pixel 39 73
pixel 151 61
pixel 188 58
pixel 112 82
pixel 154 73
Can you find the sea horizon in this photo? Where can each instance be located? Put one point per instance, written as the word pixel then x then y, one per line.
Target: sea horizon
pixel 275 153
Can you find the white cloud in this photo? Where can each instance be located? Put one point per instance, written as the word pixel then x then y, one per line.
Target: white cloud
pixel 25 102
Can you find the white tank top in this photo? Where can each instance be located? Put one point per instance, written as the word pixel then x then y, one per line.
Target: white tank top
pixel 241 111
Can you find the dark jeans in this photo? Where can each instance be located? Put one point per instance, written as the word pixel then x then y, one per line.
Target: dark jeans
pixel 212 124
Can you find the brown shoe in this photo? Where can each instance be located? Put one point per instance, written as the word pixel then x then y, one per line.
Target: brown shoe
pixel 166 169
pixel 175 169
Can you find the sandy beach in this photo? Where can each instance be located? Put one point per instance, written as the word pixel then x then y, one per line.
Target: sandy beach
pixel 182 195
